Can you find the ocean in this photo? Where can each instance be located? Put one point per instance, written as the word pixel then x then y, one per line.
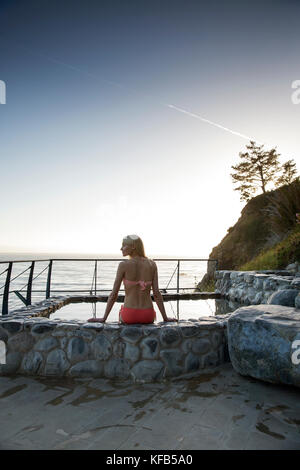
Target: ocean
pixel 75 274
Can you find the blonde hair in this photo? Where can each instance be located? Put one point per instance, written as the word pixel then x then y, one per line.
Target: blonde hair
pixel 136 242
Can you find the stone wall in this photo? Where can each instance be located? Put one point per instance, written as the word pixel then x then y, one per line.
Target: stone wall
pixel 40 346
pixel 253 288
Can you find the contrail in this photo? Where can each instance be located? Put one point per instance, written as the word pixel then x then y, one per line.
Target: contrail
pixel 212 123
pixel 119 85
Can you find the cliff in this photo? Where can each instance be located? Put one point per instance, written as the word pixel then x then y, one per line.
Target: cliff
pixel 267 225
pixel 247 238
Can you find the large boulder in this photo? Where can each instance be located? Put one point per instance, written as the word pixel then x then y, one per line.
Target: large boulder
pixel 264 343
pixel 284 297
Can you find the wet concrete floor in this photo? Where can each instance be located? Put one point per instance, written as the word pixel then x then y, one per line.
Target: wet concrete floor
pixel 219 409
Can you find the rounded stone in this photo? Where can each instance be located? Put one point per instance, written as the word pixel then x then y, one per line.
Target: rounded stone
pixel 132 353
pixel 41 328
pixel 186 345
pixel 93 327
pixel 131 334
pixel 77 349
pixel 295 284
pixel 3 335
pixel 90 368
pixel 258 298
pixel 172 358
pixel 266 295
pixel 216 339
pixel 169 336
pixel 189 330
pixel 251 293
pixel 86 335
pixel 118 348
pixel 21 342
pixel 147 370
pixel 13 361
pixel 150 348
pixel 46 344
pixel 285 297
pixel 270 284
pixel 191 363
pixel 101 347
pixel 203 333
pixel 210 359
pixel 116 368
pixel 63 342
pixel 57 363
pixel 32 363
pixel 150 329
pixel 258 283
pixel 12 326
pixel 201 346
pixel 111 331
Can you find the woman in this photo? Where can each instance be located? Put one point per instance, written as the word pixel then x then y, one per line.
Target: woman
pixel 138 274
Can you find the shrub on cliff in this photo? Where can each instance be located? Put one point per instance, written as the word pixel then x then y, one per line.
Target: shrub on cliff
pixel 278 257
pixel 283 206
pixel 265 221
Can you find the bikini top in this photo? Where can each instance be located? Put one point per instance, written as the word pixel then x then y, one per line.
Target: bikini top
pixel 143 284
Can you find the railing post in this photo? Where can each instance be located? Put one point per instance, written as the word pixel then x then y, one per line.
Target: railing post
pixel 96 277
pixel 178 267
pixel 6 290
pixel 29 285
pixel 49 279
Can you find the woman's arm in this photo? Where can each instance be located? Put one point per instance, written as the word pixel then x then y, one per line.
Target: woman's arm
pixel 113 295
pixel 158 297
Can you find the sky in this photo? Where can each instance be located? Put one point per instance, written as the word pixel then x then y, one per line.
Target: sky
pixel 125 117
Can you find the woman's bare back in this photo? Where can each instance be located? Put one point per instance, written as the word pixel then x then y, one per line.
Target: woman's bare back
pixel 138 269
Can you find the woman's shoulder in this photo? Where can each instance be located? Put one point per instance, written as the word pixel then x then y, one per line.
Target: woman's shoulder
pixel 151 261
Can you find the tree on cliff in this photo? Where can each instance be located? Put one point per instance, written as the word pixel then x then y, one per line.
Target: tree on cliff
pixel 289 173
pixel 258 168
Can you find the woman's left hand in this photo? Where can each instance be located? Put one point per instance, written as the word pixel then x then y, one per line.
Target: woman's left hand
pixel 96 320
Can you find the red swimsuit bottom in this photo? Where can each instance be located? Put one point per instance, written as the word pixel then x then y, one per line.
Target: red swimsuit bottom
pixel 137 315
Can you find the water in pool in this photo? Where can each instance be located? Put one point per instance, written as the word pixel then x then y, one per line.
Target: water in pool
pixel 180 309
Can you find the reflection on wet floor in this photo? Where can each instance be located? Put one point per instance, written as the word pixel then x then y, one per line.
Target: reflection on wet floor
pixel 12 391
pixel 263 428
pixel 219 409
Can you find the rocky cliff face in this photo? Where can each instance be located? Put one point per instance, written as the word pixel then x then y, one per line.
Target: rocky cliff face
pixel 247 238
pixel 265 221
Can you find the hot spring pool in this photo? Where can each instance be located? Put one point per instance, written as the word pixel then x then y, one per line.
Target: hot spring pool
pixel 56 339
pixel 180 309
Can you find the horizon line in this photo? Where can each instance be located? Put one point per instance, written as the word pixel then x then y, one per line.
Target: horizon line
pixel 59 254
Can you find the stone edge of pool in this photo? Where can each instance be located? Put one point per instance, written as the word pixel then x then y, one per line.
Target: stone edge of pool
pixel 36 345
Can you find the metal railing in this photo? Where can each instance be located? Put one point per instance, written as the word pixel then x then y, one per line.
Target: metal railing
pixel 93 289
